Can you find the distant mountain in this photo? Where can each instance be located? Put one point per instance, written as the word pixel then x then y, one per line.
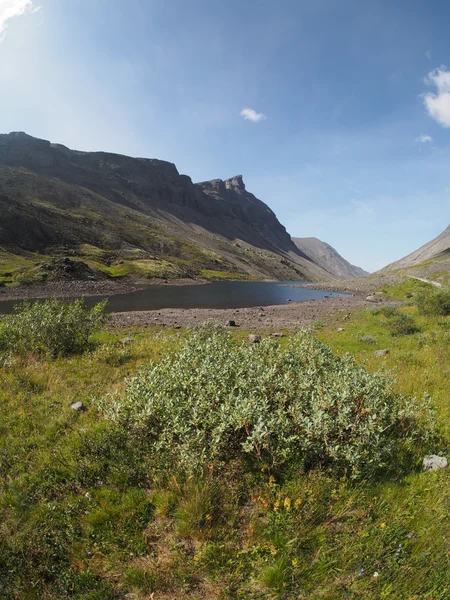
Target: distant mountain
pixel 438 248
pixel 134 215
pixel 328 258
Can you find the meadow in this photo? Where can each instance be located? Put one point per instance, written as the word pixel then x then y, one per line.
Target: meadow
pixel 126 500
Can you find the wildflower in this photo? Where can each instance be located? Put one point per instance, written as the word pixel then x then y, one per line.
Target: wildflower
pixel 208 517
pixel 297 503
pixel 287 504
pixel 409 536
pixel 294 562
pixel 383 525
pixel 273 551
pixel 276 506
pixel 196 558
pixel 376 574
pixel 360 574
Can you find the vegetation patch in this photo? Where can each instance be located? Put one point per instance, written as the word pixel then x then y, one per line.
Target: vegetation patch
pixel 53 327
pixel 214 401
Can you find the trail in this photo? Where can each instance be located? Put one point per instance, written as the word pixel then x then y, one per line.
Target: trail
pixel 435 283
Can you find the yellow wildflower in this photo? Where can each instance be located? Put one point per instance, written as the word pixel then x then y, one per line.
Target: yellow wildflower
pixel 287 504
pixel 294 562
pixel 297 503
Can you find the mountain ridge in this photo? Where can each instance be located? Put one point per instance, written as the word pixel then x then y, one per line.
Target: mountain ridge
pixel 328 258
pixel 53 198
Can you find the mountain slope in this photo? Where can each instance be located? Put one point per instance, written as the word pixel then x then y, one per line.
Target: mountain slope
pixel 54 200
pixel 438 247
pixel 328 258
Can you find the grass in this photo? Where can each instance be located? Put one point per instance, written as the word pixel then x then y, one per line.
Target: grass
pixel 83 517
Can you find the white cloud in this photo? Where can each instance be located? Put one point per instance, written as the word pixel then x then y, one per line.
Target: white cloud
pixel 424 138
pixel 250 114
pixel 14 8
pixel 428 54
pixel 438 104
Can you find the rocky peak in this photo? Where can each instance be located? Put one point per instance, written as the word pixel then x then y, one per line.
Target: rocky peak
pixel 235 183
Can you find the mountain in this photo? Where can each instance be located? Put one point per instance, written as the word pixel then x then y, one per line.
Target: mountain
pixel 438 248
pixel 133 215
pixel 328 258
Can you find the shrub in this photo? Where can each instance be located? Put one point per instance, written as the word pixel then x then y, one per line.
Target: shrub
pixel 214 400
pixel 53 327
pixel 401 324
pixel 396 321
pixel 435 302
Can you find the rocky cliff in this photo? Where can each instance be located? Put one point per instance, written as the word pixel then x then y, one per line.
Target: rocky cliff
pixel 53 199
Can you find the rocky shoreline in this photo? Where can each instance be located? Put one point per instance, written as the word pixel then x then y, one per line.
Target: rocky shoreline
pixel 289 317
pixel 72 289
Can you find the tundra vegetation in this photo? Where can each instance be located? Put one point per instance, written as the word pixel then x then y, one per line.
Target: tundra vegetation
pixel 207 467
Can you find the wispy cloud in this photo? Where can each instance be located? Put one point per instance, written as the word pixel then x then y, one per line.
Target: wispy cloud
pixel 424 138
pixel 362 209
pixel 251 114
pixel 428 54
pixel 438 103
pixel 14 8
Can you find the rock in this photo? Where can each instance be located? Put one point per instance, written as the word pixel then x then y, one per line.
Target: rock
pixel 341 329
pixel 278 334
pixel 381 352
pixel 126 341
pixel 230 323
pixel 372 298
pixel 254 339
pixel 78 406
pixel 432 462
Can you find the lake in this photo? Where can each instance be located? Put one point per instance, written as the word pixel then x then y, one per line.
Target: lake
pixel 218 294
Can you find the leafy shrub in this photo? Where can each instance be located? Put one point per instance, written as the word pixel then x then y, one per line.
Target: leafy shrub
pixel 366 338
pixel 385 311
pixel 401 324
pixel 214 400
pixel 396 321
pixel 53 327
pixel 435 302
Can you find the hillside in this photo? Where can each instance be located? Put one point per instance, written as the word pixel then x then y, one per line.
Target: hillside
pixel 328 258
pixel 437 248
pixel 133 215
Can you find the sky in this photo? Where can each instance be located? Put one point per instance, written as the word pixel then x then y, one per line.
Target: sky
pixel 337 114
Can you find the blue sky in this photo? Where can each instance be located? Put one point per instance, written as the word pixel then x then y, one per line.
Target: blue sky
pixel 347 130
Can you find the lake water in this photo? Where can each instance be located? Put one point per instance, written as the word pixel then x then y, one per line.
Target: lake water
pixel 218 294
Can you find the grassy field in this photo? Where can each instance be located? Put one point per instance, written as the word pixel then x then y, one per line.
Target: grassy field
pixel 83 516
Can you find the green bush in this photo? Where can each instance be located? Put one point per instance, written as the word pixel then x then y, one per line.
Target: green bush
pixel 396 321
pixel 215 400
pixel 53 327
pixel 401 324
pixel 434 302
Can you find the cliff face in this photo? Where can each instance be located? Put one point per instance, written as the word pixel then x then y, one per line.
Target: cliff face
pixel 52 196
pixel 328 258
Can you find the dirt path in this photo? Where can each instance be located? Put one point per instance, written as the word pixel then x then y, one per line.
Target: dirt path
pixel 283 317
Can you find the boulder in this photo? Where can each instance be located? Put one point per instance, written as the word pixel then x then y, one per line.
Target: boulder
pixel 78 406
pixel 381 353
pixel 278 334
pixel 432 462
pixel 341 329
pixel 230 323
pixel 254 339
pixel 372 298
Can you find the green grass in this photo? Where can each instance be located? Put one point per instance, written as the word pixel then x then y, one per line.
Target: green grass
pixel 82 516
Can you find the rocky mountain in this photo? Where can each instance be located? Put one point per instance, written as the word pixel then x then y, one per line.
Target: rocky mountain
pixel 439 247
pixel 111 210
pixel 328 258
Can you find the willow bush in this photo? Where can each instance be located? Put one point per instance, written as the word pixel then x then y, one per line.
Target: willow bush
pixel 51 327
pixel 215 400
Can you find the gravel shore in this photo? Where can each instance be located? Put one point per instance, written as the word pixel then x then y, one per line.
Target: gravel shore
pixel 281 317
